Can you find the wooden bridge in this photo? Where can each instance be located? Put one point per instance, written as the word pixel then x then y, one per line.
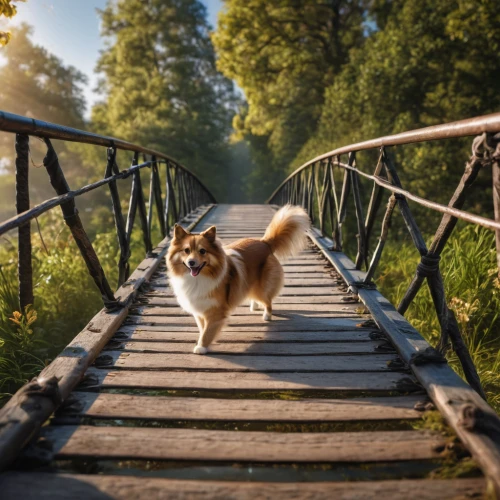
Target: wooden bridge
pixel 337 397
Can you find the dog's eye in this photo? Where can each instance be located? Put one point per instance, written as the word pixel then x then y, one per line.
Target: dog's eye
pixel 203 251
pixel 187 250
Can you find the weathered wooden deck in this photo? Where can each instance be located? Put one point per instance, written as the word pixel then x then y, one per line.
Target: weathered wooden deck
pixel 315 404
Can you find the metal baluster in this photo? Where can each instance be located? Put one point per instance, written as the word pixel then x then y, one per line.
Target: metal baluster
pixel 25 270
pixel 72 219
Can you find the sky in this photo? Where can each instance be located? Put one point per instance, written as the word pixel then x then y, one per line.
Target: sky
pixel 69 29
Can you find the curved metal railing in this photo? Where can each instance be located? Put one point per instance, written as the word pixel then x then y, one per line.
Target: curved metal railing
pixel 313 186
pixel 183 193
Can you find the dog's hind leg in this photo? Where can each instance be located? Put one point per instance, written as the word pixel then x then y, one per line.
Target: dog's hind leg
pixel 254 305
pixel 271 282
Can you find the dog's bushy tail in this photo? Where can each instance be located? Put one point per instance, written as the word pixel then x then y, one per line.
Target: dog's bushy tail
pixel 286 234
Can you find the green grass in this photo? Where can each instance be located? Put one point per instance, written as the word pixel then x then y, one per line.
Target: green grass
pixel 66 298
pixel 472 287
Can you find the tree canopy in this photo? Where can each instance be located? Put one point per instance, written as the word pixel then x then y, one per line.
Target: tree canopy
pixel 8 10
pixel 283 55
pixel 318 75
pixel 160 84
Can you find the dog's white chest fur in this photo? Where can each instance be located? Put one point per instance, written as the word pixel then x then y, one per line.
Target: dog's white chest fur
pixel 193 294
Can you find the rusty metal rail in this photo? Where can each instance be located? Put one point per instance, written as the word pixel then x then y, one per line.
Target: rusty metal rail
pixel 183 193
pixel 313 186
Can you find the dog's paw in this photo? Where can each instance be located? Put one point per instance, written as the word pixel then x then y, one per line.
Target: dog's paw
pixel 199 349
pixel 267 316
pixel 254 306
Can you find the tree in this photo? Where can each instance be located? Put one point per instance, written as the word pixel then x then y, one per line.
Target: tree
pixel 161 86
pixel 37 84
pixel 432 62
pixel 7 9
pixel 283 54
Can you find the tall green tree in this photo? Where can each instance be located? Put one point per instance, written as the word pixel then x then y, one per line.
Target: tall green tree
pixel 37 84
pixel 432 62
pixel 283 54
pixel 161 87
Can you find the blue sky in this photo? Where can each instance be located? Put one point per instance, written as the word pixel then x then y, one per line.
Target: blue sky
pixel 70 30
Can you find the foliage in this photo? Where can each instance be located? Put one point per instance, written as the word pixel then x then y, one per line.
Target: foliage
pixel 472 288
pixel 283 55
pixel 432 62
pixel 161 87
pixel 37 84
pixel 9 10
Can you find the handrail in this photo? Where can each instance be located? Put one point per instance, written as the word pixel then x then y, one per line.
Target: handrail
pixel 184 193
pixel 9 122
pixel 463 128
pixel 313 186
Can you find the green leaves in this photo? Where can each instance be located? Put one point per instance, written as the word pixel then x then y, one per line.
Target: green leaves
pixel 161 87
pixel 7 9
pixel 283 54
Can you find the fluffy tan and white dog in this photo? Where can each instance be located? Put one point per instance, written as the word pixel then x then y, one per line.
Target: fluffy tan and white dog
pixel 210 279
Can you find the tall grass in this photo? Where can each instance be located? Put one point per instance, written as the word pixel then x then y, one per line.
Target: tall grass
pixel 472 287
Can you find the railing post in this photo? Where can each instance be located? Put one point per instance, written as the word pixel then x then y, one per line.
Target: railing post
pixel 25 270
pixel 123 265
pixel 72 219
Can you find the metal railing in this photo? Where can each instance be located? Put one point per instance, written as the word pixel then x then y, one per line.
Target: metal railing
pixel 313 186
pixel 183 193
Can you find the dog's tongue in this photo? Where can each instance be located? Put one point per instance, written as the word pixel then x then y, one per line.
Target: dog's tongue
pixel 195 271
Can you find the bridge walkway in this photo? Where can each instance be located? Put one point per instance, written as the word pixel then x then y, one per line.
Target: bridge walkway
pixel 315 404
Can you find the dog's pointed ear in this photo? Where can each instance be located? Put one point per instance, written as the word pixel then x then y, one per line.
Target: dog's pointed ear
pixel 210 234
pixel 179 232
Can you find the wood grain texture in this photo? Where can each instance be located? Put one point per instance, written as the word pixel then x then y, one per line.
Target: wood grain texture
pixel 291 322
pixel 447 390
pixel 245 363
pixel 305 310
pixel 38 486
pixel 247 381
pixel 196 444
pixel 118 406
pixel 261 348
pixel 159 334
pixel 162 300
pixel 23 415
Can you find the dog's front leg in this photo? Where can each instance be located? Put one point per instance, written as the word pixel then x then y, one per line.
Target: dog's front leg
pixel 212 326
pixel 200 322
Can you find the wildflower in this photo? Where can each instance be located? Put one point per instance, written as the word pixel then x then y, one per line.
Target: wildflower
pixel 17 316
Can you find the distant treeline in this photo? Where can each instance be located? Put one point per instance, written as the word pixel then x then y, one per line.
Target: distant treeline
pixel 315 75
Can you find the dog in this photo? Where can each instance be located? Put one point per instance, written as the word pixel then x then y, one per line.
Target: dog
pixel 210 280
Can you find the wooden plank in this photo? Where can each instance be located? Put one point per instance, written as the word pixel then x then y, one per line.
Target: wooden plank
pixel 23 415
pixel 448 391
pixel 31 486
pixel 262 348
pixel 305 310
pixel 294 282
pixel 118 406
pixel 322 302
pixel 247 381
pixel 280 321
pixel 160 335
pixel 306 291
pixel 339 325
pixel 196 444
pixel 245 363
